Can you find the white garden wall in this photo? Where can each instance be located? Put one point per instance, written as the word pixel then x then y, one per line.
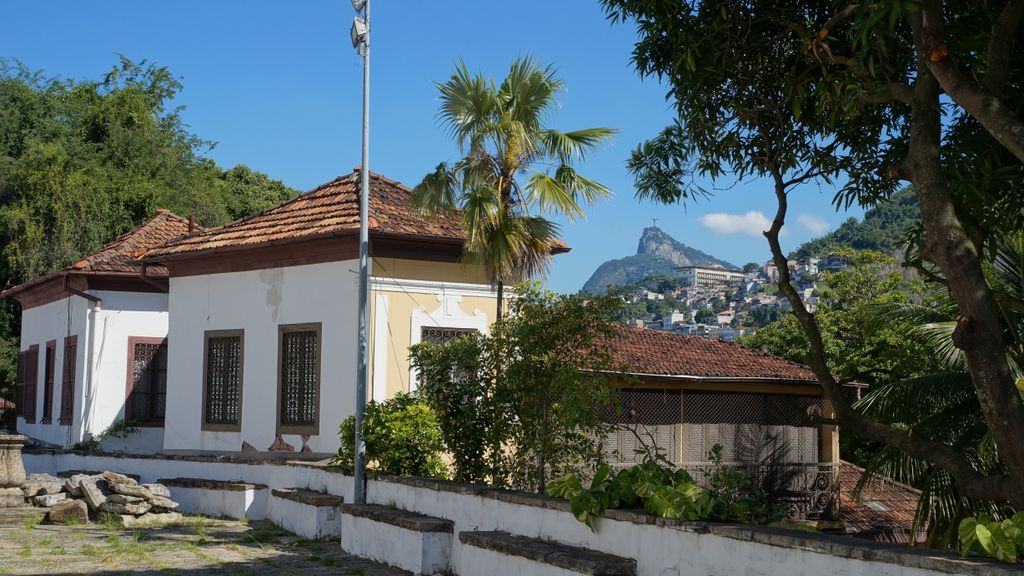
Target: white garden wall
pixel 660 547
pixel 258 302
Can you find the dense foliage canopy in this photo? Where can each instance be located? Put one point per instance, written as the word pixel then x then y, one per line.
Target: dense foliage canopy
pixel 82 161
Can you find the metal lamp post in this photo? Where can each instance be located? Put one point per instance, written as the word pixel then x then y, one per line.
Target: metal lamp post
pixel 361 42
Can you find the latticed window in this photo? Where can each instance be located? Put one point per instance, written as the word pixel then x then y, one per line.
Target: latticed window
pixel 440 335
pixel 222 386
pixel 147 386
pixel 299 387
pixel 67 381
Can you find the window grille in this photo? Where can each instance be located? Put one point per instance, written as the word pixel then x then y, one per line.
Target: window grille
pixel 299 401
pixel 67 381
pixel 440 335
pixel 147 398
pixel 48 375
pixel 223 383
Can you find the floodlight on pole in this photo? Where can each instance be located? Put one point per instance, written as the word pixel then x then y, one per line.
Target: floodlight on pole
pixel 361 41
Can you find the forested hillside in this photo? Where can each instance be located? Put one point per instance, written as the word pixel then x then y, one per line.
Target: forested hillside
pixel 82 161
pixel 882 229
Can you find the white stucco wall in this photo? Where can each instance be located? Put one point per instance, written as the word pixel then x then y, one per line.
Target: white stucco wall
pixel 102 346
pixel 258 302
pixel 123 315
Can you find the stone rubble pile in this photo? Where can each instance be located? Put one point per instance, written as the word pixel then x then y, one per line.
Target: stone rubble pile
pixel 82 497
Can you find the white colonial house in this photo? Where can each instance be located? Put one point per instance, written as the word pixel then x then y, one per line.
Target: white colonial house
pixel 262 353
pixel 93 343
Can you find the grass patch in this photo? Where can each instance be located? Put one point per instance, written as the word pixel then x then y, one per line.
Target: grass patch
pixel 30 522
pixel 266 532
pixel 26 551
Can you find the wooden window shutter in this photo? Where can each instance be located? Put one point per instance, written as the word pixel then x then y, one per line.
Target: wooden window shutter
pixel 49 367
pixel 31 383
pixel 147 380
pixel 299 384
pixel 67 381
pixel 222 384
pixel 19 384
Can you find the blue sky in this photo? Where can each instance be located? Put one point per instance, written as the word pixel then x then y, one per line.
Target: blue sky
pixel 278 87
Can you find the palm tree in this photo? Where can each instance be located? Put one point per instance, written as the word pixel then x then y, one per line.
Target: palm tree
pixel 943 406
pixel 511 165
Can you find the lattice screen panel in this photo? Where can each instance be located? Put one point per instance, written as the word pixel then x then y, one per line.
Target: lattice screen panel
pixel 223 380
pixel 299 378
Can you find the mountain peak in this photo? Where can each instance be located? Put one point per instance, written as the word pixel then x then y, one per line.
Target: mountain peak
pixel 656 253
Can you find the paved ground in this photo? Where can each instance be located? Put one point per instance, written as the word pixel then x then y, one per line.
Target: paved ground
pixel 197 546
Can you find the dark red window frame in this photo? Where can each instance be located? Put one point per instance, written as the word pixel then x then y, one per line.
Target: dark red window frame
pixel 156 401
pixel 69 369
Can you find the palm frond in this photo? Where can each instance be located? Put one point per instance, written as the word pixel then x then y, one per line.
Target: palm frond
pixel 438 192
pixel 568 147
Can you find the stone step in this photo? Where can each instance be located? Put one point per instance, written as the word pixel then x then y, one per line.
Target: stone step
pixel 559 558
pixel 410 541
pixel 309 514
pixel 234 499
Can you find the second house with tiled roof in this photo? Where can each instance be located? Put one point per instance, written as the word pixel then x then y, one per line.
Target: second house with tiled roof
pixel 94 343
pixel 263 316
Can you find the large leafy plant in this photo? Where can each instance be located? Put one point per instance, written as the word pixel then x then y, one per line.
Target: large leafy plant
pixel 666 492
pixel 1003 541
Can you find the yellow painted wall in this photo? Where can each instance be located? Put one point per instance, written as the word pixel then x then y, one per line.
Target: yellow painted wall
pixel 401 304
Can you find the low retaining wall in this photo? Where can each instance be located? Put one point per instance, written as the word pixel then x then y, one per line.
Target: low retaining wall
pixel 661 547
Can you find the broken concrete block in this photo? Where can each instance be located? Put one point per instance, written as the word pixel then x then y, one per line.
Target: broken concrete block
pixel 69 511
pixel 150 519
pixel 123 499
pixel 161 502
pixel 115 478
pixel 130 490
pixel 158 490
pixel 94 492
pixel 48 500
pixel 133 509
pixel 72 484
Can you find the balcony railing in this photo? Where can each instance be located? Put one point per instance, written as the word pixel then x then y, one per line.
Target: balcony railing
pixel 806 491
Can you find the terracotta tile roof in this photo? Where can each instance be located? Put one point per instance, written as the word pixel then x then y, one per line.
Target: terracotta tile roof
pixel 657 352
pixel 883 506
pixel 125 253
pixel 328 210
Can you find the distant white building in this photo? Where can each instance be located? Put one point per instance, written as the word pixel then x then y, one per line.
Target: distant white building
pixel 675 318
pixel 709 277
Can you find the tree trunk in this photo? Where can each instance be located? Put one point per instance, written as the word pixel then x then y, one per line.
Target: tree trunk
pixel 501 301
pixel 979 328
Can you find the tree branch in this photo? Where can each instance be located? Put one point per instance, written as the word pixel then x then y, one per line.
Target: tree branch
pixel 995 115
pixel 969 481
pixel 1000 47
pixel 885 93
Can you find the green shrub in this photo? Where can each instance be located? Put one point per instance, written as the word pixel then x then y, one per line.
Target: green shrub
pixel 1003 541
pixel 402 437
pixel 118 429
pixel 665 492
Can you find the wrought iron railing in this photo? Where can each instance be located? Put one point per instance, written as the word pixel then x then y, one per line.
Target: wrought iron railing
pixel 806 491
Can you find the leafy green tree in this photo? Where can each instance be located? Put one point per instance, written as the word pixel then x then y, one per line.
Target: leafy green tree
pixel 542 417
pixel 512 165
pixel 705 315
pixel 810 92
pixel 402 437
pixel 751 267
pixel 82 161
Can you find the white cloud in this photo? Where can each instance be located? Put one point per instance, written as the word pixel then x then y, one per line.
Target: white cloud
pixel 752 223
pixel 813 223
